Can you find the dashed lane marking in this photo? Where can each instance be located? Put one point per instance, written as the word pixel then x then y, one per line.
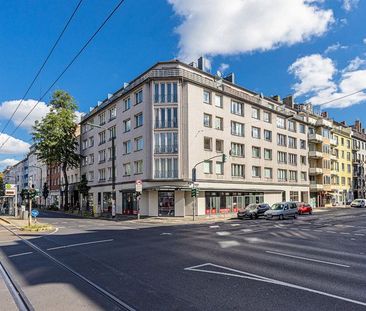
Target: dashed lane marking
pixel 79 244
pixel 223 233
pixel 215 226
pixel 20 254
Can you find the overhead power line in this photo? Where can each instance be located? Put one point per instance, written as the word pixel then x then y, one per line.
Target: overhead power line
pixel 338 98
pixel 44 64
pixel 66 68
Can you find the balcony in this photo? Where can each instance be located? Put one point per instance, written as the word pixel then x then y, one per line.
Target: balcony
pixel 333 142
pixel 166 149
pixel 166 174
pixel 165 124
pixel 315 187
pixel 324 122
pixel 315 154
pixel 315 138
pixel 315 171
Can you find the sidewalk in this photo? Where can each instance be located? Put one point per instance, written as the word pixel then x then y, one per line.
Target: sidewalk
pixel 7 301
pixel 11 220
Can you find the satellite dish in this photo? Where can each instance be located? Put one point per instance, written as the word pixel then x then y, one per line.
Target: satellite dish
pixel 219 74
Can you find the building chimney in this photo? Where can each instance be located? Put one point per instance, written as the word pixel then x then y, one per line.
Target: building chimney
pixel 230 77
pixel 202 63
pixel 343 123
pixel 358 126
pixel 324 114
pixel 277 98
pixel 289 101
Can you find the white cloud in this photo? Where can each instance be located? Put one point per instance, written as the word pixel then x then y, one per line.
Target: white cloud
pixel 7 162
pixel 13 145
pixel 364 40
pixel 223 67
pixel 317 83
pixel 8 107
pixel 216 27
pixel 349 5
pixel 335 47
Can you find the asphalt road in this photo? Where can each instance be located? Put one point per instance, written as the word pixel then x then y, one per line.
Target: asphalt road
pixel 317 262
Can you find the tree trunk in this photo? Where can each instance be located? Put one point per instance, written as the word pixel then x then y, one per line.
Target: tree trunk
pixel 66 189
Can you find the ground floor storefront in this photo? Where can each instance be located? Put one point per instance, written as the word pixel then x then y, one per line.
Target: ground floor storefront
pixel 331 198
pixel 174 199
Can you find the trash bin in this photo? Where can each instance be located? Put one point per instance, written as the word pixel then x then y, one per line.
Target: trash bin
pixel 24 215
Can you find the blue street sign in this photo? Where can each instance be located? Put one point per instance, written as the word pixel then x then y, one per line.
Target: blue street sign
pixel 35 213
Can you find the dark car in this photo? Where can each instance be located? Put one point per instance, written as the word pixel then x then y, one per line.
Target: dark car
pixel 253 211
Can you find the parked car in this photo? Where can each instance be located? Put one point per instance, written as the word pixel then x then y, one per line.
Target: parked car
pixel 282 210
pixel 304 208
pixel 358 203
pixel 253 211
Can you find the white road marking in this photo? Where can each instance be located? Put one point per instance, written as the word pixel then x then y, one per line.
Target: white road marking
pixel 235 225
pixel 308 259
pixel 165 233
pixel 79 244
pixel 360 234
pixel 20 254
pixel 345 233
pixel 223 233
pixel 215 226
pixel 259 278
pixel 331 231
pixel 246 230
pixel 226 244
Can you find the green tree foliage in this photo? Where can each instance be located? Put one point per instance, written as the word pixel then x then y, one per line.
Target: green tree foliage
pixel 55 136
pixel 2 186
pixel 83 189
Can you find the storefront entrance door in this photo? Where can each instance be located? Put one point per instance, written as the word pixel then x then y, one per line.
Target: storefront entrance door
pixel 166 203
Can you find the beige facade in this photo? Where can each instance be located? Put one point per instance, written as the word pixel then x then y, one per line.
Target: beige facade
pixel 174 116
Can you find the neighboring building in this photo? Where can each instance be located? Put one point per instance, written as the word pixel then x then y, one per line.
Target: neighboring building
pixel 174 116
pixel 359 160
pixel 342 173
pixel 54 184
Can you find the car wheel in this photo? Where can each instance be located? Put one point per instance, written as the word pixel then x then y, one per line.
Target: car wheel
pixel 251 216
pixel 310 212
pixel 280 217
pixel 295 216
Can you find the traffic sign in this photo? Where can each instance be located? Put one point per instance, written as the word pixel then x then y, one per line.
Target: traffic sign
pixel 10 190
pixel 35 213
pixel 138 185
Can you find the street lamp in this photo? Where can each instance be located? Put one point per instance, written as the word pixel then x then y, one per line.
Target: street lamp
pixel 113 168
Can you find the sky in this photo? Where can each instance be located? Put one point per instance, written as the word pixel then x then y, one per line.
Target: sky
pixel 313 49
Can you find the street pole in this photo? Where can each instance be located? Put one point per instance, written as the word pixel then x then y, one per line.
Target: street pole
pixel 30 210
pixel 194 206
pixel 138 207
pixel 113 178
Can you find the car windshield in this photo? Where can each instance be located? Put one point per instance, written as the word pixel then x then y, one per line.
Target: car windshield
pixel 251 207
pixel 277 206
pixel 357 201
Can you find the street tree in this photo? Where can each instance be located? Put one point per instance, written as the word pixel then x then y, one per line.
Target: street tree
pixel 83 189
pixel 55 136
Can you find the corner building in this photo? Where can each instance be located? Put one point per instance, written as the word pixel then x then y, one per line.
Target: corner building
pixel 174 116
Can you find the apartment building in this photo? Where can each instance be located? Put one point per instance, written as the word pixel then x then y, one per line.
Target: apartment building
pixel 54 184
pixel 342 169
pixel 359 160
pixel 174 116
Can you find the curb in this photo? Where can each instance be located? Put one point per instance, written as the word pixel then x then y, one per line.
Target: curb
pixel 4 220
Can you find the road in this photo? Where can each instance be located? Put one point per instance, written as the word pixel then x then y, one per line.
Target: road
pixel 316 262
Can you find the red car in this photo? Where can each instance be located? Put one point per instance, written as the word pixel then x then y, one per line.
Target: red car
pixel 304 208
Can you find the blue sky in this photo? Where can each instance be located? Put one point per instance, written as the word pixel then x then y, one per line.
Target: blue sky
pixel 313 49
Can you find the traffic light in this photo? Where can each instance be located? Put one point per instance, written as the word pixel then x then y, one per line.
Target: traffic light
pixel 45 191
pixel 224 158
pixel 194 192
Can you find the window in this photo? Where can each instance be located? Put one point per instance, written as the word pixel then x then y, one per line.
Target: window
pixel 207 143
pixel 237 128
pixel 267 135
pixel 139 120
pixel 302 144
pixel 84 144
pixel 268 173
pixel 304 176
pixel 165 92
pixel 207 120
pixel 237 150
pixel 267 117
pixel 218 101
pixel 101 174
pixel 348 168
pixel 294 196
pixel 91 141
pixel 109 153
pixel 139 143
pixel 102 118
pixel 127 104
pixel 127 125
pixel 138 97
pixel 256 152
pixel 237 108
pixel 281 157
pixel 207 167
pixel 127 169
pixel 280 122
pixel 237 170
pixel 219 168
pixel 219 145
pixel 292 159
pixel 166 168
pixel 256 132
pixel 267 154
pixel 138 167
pixel 292 126
pixel 110 173
pixel 166 142
pixel 91 158
pixel 348 143
pixel 112 113
pixel 293 175
pixel 281 140
pixel 112 132
pixel 166 118
pixel 219 123
pixel 282 175
pixel 255 113
pixel 303 160
pixel 292 142
pixel 91 176
pixel 127 147
pixel 348 156
pixel 101 137
pixel 206 97
pixel 256 171
pixel 302 128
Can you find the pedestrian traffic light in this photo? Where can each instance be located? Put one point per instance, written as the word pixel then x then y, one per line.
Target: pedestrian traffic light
pixel 224 158
pixel 45 191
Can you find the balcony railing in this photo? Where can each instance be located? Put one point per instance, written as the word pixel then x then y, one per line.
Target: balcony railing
pixel 163 124
pixel 166 149
pixel 166 174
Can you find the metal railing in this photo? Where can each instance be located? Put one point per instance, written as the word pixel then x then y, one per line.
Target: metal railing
pixel 166 149
pixel 166 174
pixel 162 124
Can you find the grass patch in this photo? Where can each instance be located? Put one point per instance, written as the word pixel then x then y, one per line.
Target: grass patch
pixel 37 228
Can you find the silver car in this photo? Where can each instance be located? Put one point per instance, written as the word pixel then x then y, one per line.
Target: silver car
pixel 358 203
pixel 282 210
